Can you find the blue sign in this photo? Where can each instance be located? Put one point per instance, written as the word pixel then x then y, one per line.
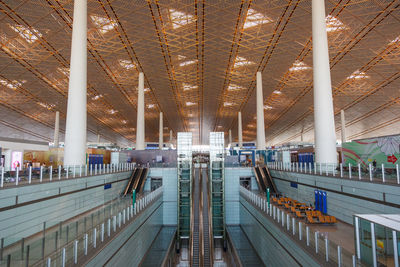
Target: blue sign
pixel 292 184
pixel 107 186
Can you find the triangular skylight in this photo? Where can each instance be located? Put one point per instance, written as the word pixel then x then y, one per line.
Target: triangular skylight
pixel 179 18
pixel 358 75
pixel 12 85
pixel 103 24
pixel 234 87
pixel 241 61
pixel 127 64
pixel 29 34
pixel 187 87
pixel 333 24
pixel 299 66
pixel 255 18
pixel 189 62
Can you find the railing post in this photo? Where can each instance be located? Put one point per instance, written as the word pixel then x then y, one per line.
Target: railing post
pixel 320 168
pixel 287 222
pixel 397 173
pixel 76 252
pixel 80 170
pixel 370 171
pixel 305 167
pixel 326 169
pixel 59 172
pixel 308 235
pixel 51 173
pixel 300 231
pixel 341 170
pixel 2 177
pixel 316 242
pixel 95 169
pixel 29 174
pixel 16 176
pixel 48 262
pixel 293 225
pixel 94 237
pixel 102 233
pixel 41 174
pixel 350 170
pixel 109 227
pixel 339 256
pixel 66 172
pixel 315 168
pixel 63 257
pixel 91 169
pixel 326 249
pixel 86 170
pixel 73 171
pixel 359 171
pixel 354 261
pixel 85 244
pixel 383 172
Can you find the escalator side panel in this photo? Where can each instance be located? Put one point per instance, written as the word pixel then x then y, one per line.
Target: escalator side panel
pixel 139 174
pixel 128 188
pixel 264 178
pixel 259 179
pixel 143 177
pixel 270 180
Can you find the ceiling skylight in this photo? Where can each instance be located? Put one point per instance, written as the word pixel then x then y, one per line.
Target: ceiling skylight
pixel 189 62
pixel 151 106
pixel 188 103
pixel 112 111
pixel 267 107
pixel 103 24
pixel 179 18
pixel 255 18
pixel 277 92
pixel 333 24
pixel 127 64
pixel 234 87
pixel 96 97
pixel 29 34
pixel 12 85
pixel 187 87
pixel 228 104
pixel 45 105
pixel 299 66
pixel 180 57
pixel 358 75
pixel 146 89
pixel 396 40
pixel 64 71
pixel 241 61
pixel 124 121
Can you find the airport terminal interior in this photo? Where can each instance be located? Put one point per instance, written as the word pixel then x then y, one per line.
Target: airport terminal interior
pixel 199 133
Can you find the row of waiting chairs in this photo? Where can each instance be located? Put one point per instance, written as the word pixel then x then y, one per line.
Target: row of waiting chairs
pixel 302 210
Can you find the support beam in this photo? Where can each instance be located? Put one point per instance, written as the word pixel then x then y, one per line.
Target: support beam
pixel 57 130
pixel 230 137
pixel 240 135
pixel 140 115
pixel 260 114
pixel 324 124
pixel 343 123
pixel 161 132
pixel 75 131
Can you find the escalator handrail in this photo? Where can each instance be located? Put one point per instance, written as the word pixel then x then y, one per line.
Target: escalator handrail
pixel 269 177
pixel 130 183
pixel 143 177
pixel 258 178
pixel 140 170
pixel 264 177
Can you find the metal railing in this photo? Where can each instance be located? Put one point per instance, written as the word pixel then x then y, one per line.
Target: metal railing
pixel 67 243
pixel 299 230
pixel 379 174
pixel 48 174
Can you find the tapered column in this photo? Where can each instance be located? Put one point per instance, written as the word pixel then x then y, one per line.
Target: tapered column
pixel 75 131
pixel 343 123
pixel 140 114
pixel 240 135
pixel 98 138
pixel 161 132
pixel 260 114
pixel 324 124
pixel 230 136
pixel 57 130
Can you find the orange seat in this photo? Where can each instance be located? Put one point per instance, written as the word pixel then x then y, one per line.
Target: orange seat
pixel 298 214
pixel 310 219
pixel 333 219
pixel 321 219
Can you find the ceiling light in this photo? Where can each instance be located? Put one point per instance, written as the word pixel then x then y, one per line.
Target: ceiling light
pixel 228 104
pixel 12 85
pixel 179 18
pixel 299 66
pixel 396 40
pixel 64 71
pixel 234 87
pixel 251 126
pixel 333 24
pixel 48 106
pixel 112 111
pixel 96 97
pixel 277 92
pixel 28 34
pixel 241 61
pixel 267 107
pixel 103 24
pixel 358 75
pixel 187 87
pixel 190 103
pixel 189 62
pixel 124 121
pixel 146 89
pixel 254 18
pixel 127 64
pixel 150 106
pixel 180 57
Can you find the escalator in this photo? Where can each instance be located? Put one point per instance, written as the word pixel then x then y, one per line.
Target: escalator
pixel 207 248
pixel 259 178
pixel 136 181
pixel 270 181
pixel 195 236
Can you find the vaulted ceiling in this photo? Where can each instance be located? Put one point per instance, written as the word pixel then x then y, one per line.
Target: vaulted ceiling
pixel 200 60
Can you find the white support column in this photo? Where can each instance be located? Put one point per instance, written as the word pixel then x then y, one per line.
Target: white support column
pixel 240 135
pixel 57 130
pixel 140 115
pixel 170 138
pixel 98 138
pixel 260 114
pixel 161 132
pixel 343 123
pixel 324 124
pixel 75 131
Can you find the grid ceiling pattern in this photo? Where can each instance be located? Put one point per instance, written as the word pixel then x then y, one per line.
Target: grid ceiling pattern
pixel 200 60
